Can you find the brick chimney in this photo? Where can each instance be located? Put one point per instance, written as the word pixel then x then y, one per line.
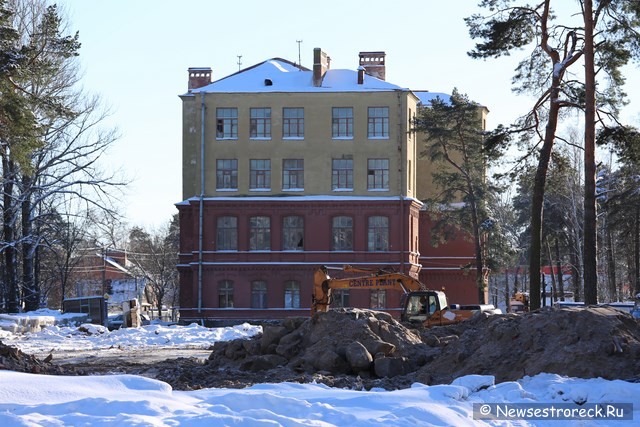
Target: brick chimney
pixel 373 63
pixel 361 75
pixel 321 63
pixel 198 77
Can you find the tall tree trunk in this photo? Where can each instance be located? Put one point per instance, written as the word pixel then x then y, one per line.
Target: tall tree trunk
pixel 611 266
pixel 507 296
pixel 553 276
pixel 480 279
pixel 559 271
pixel 590 262
pixel 158 295
pixel 8 228
pixel 636 251
pixel 537 199
pixel 63 289
pixel 575 275
pixel 31 294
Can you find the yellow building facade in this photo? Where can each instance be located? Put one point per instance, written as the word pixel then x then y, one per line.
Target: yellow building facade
pixel 286 169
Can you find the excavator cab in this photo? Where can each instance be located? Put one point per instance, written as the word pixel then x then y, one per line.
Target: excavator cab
pixel 421 305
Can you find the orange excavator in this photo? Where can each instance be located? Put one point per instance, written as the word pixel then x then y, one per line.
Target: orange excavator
pixel 519 303
pixel 420 305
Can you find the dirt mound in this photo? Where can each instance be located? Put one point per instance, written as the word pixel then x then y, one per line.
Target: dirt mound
pixel 14 359
pixel 375 350
pixel 577 342
pixel 355 342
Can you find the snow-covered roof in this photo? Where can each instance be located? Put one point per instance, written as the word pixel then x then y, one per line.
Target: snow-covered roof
pixel 426 97
pixel 280 75
pixel 114 263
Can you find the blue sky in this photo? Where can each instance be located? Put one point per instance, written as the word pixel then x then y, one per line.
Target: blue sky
pixel 135 55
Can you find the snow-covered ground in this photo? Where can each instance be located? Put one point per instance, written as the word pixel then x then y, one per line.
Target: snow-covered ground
pixel 114 400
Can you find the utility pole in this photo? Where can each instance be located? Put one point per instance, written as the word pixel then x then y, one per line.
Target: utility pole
pixel 104 270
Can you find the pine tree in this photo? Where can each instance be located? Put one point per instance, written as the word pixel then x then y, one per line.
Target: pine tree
pixel 605 39
pixel 454 140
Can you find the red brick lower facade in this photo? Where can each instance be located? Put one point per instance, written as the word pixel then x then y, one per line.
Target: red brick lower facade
pixel 245 284
pixel 449 267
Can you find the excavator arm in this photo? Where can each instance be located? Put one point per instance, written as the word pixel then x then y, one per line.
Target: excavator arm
pixel 374 279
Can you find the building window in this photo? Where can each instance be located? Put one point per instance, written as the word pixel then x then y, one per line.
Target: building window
pixel 378 299
pixel 226 174
pixel 342 122
pixel 260 233
pixel 342 174
pixel 378 124
pixel 291 294
pixel 225 294
pixel 378 234
pixel 258 294
pixel 260 175
pixel 293 233
pixel 293 174
pixel 378 174
pixel 340 298
pixel 260 123
pixel 227 233
pixel 227 123
pixel 342 233
pixel 293 123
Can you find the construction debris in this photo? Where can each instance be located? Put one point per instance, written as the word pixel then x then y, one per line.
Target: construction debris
pixel 361 349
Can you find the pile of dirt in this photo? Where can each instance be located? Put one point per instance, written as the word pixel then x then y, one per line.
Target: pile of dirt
pixel 373 349
pixel 14 359
pixel 361 349
pixel 577 342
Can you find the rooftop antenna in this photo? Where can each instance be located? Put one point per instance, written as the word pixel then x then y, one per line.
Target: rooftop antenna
pixel 299 57
pixel 239 62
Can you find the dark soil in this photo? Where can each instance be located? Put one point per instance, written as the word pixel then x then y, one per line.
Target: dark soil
pixel 362 349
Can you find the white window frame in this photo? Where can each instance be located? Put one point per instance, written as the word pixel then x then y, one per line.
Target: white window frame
pixel 342 174
pixel 293 233
pixel 260 175
pixel 260 123
pixel 378 123
pixel 227 233
pixel 378 299
pixel 291 294
pixel 227 175
pixel 292 174
pixel 342 122
pixel 259 294
pixel 342 234
pixel 378 233
pixel 225 294
pixel 292 119
pixel 260 233
pixel 378 174
pixel 226 123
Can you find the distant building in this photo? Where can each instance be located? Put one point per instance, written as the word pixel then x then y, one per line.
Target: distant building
pixel 285 169
pixel 107 272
